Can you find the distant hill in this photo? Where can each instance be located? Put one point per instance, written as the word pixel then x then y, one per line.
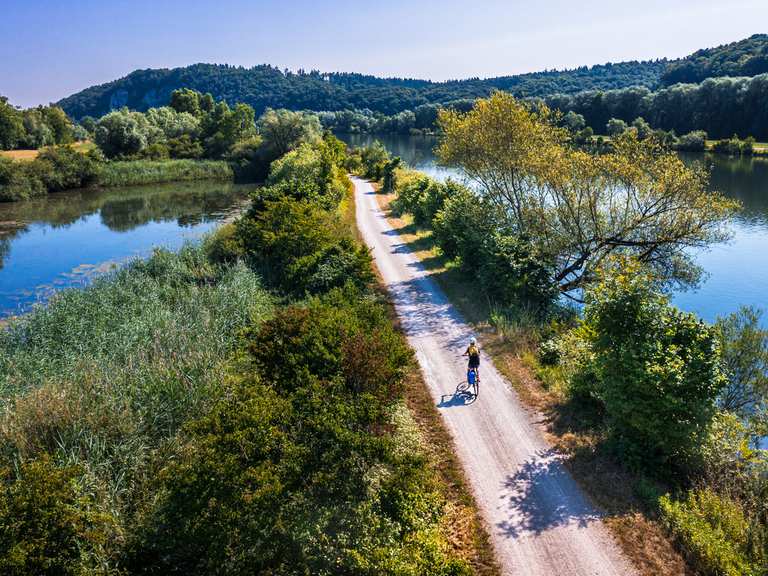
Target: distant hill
pixel 267 86
pixel 743 58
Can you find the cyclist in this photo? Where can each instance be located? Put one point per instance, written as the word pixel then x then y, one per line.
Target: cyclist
pixel 473 352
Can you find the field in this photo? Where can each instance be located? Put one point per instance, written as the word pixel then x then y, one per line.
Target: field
pixel 26 155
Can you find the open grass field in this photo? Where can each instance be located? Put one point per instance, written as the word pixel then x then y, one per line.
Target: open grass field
pixel 26 155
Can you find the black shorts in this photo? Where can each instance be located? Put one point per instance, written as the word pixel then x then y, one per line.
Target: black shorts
pixel 474 362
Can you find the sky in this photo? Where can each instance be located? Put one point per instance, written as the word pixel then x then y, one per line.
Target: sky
pixel 53 48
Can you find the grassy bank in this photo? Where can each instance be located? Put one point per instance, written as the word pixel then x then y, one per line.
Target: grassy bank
pixel 129 173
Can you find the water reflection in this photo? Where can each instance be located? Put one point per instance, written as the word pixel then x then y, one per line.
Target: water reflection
pixel 64 239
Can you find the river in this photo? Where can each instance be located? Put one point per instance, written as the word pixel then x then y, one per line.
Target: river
pixel 736 272
pixel 65 239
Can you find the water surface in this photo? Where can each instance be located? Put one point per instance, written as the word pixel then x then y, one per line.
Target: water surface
pixel 65 239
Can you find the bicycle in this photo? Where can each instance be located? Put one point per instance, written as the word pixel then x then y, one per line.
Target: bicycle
pixel 472 382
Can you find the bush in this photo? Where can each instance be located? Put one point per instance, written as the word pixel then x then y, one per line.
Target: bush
pixel 659 371
pixel 713 533
pixel 125 133
pixel 18 181
pixel 301 248
pixel 421 196
pixel 693 141
pixel 49 526
pixel 55 169
pixel 64 168
pixel 287 475
pixel 373 159
pixel 339 334
pixel 309 173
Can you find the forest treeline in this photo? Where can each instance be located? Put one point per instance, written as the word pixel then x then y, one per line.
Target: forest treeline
pixel 265 86
pixel 192 138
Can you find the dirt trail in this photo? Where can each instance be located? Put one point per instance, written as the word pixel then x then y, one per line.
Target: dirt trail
pixel 539 521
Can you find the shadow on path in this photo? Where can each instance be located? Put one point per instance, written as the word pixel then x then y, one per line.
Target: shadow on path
pixel 539 497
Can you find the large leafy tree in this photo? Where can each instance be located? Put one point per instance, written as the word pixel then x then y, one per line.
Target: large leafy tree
pixel 284 130
pixel 11 126
pixel 578 207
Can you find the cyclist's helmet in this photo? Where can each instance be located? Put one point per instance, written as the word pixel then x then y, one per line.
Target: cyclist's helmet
pixel 473 340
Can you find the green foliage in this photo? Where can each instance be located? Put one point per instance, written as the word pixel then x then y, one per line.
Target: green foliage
pixel 311 173
pixel 285 476
pixel 284 130
pixel 713 533
pixel 125 133
pixel 55 169
pixel 744 351
pixel 747 57
pixel 735 146
pixel 659 371
pixel 50 526
pixel 695 141
pixel 126 173
pixel 615 127
pixel 337 335
pixel 302 248
pixel 64 168
pixel 420 195
pixel 266 87
pixel 374 159
pixel 11 126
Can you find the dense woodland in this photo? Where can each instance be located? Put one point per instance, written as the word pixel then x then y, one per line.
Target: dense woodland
pixel 723 94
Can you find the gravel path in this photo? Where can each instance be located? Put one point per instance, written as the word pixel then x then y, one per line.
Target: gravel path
pixel 539 521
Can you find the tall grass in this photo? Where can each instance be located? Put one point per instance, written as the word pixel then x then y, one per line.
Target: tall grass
pixel 104 377
pixel 132 172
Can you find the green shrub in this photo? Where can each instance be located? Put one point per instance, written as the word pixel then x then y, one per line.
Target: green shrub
pixel 693 141
pixel 302 248
pixel 373 159
pixel 421 196
pixel 49 526
pixel 224 244
pixel 18 181
pixel 337 335
pixel 659 371
pixel 712 531
pixel 64 168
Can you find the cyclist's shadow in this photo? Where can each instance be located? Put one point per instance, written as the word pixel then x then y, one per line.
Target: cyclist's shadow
pixel 463 396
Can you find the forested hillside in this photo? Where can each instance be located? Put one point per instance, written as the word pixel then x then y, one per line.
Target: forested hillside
pixel 747 57
pixel 266 86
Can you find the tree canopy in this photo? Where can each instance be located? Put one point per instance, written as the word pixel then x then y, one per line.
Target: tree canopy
pixel 579 207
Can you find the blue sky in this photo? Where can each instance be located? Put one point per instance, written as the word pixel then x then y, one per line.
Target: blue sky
pixel 51 49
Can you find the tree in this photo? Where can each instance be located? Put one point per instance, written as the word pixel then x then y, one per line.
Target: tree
pixel 615 127
pixel 59 123
pixel 284 130
pixel 644 129
pixel 577 207
pixel 744 347
pixel 125 133
pixel 574 122
pixel 658 369
pixel 11 126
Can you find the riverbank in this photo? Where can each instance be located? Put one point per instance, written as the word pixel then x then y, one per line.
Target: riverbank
pixel 66 168
pixel 139 172
pixel 156 425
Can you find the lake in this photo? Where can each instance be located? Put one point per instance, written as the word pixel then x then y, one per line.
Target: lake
pixel 65 239
pixel 736 271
